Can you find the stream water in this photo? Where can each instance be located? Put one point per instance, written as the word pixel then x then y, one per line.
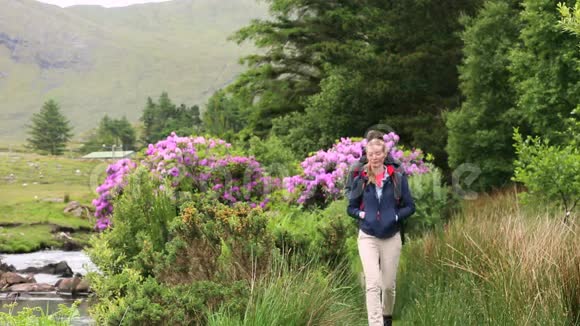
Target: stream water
pixel 78 261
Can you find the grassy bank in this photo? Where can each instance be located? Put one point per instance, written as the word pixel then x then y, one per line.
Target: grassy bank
pixel 34 190
pixel 495 264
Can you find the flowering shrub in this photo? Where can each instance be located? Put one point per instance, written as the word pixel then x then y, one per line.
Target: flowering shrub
pixel 325 172
pixel 111 187
pixel 193 164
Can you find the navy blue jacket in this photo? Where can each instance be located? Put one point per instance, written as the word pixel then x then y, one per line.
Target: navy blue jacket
pixel 382 218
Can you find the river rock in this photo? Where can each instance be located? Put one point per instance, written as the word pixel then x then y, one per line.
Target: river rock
pixel 71 245
pixel 74 284
pixel 78 210
pixel 54 200
pixel 60 268
pixel 6 268
pixel 11 278
pixel 31 287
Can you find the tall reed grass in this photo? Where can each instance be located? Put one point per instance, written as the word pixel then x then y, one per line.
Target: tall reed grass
pixel 494 264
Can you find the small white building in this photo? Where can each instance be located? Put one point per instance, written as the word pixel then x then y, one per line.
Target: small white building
pixel 108 155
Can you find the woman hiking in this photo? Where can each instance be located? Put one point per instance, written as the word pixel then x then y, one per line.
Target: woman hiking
pixel 379 213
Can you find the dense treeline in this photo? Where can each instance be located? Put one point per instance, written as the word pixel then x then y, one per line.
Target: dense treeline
pixel 453 78
pixel 520 69
pixel 333 68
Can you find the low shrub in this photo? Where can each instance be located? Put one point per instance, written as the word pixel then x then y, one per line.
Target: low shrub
pixel 213 241
pixel 127 298
pixel 556 179
pixel 323 234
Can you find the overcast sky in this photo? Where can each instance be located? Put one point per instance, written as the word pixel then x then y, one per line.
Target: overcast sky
pixel 104 3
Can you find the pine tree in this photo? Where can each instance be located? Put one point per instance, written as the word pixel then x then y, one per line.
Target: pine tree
pixel 222 116
pixel 125 133
pixel 163 117
pixel 118 132
pixel 50 130
pixel 196 118
pixel 148 118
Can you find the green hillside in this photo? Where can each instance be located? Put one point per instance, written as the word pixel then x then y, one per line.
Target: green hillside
pixel 94 60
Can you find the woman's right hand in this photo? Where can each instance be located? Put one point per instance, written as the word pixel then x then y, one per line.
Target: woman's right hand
pixel 361 215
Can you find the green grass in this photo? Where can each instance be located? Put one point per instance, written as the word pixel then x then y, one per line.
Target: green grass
pixel 26 177
pixel 33 189
pixel 29 168
pixel 41 212
pixel 26 238
pixel 38 220
pixel 15 194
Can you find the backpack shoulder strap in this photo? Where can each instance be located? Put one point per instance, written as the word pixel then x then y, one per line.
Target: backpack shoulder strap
pixel 397 184
pixel 363 177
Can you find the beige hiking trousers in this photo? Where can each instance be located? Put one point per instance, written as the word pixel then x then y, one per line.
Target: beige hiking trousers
pixel 380 260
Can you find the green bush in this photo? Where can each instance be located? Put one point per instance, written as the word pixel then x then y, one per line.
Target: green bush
pixel 278 159
pixel 158 304
pixel 141 220
pixel 292 228
pixel 213 241
pixel 334 233
pixel 433 202
pixel 127 298
pixel 323 234
pixel 550 173
pixel 168 270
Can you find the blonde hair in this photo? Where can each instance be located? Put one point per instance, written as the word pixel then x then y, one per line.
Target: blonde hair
pixel 367 168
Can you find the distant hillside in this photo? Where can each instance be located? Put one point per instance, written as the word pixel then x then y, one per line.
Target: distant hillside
pixel 94 60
